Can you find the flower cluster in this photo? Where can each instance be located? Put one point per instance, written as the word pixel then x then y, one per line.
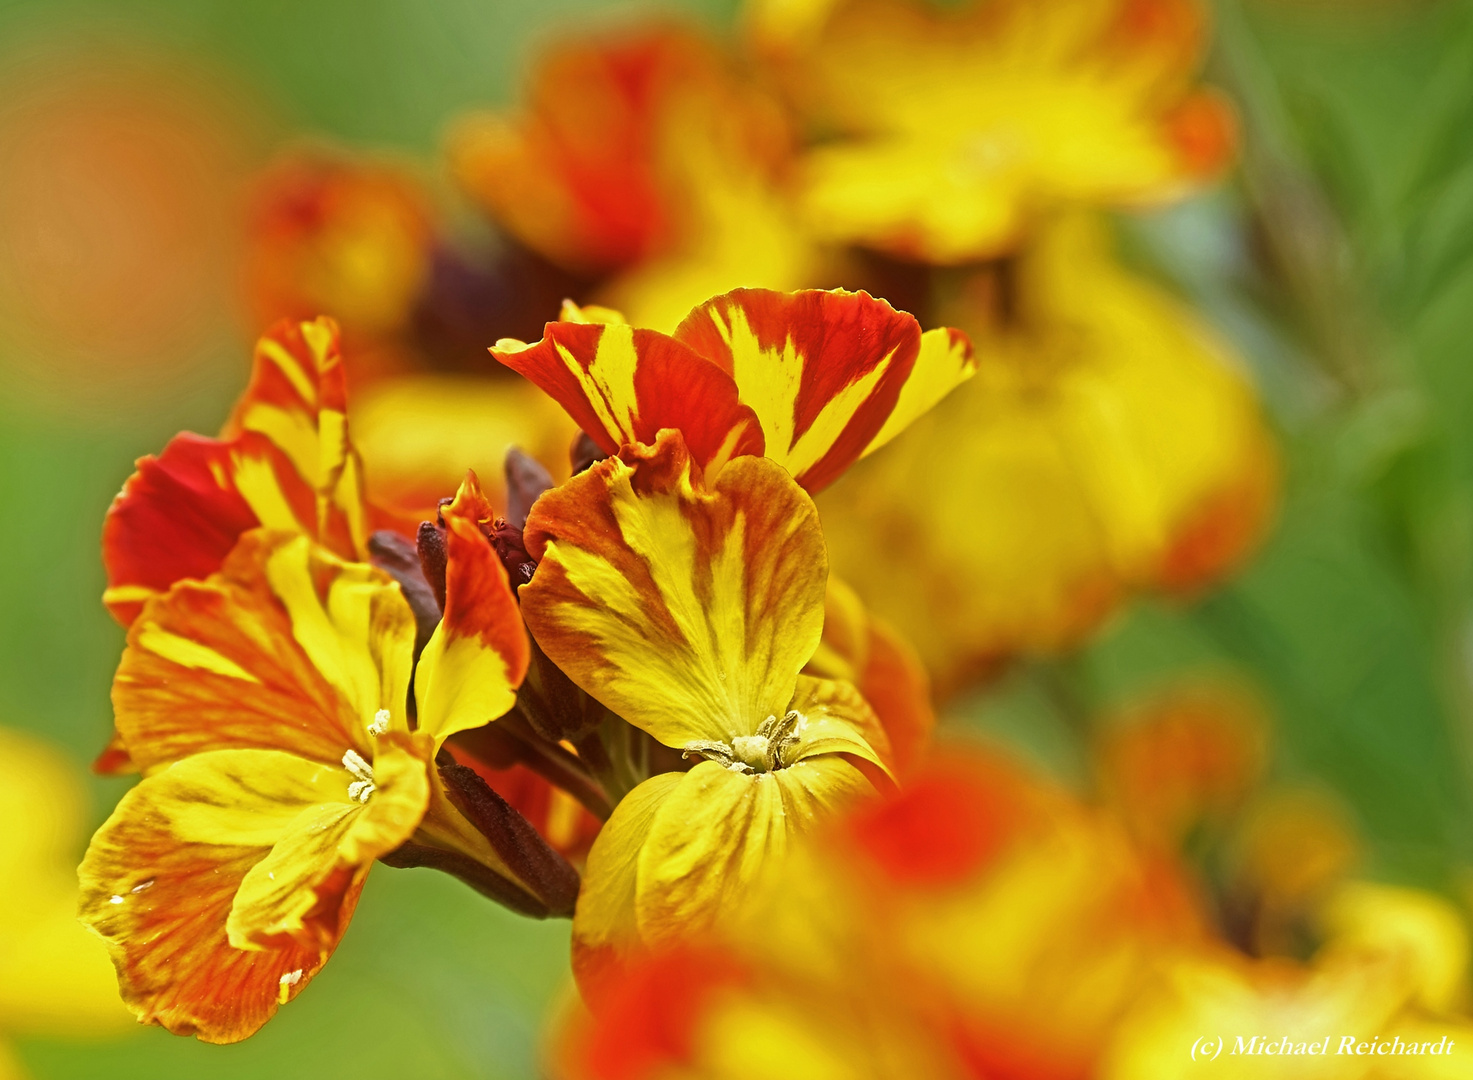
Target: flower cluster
pixel 669 671
pixel 308 680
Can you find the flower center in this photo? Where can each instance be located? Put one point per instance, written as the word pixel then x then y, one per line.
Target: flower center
pixel 765 751
pixel 362 786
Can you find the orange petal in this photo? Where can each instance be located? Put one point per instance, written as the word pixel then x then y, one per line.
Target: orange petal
pixel 161 876
pixel 822 370
pixel 285 648
pixel 623 385
pixel 478 655
pixel 686 610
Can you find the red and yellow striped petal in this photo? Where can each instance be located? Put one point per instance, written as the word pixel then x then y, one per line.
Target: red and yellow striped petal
pixel 944 362
pixel 624 385
pixel 283 462
pixel 823 371
pixel 472 665
pixel 685 609
pixel 179 515
pixel 171 880
pixel 286 648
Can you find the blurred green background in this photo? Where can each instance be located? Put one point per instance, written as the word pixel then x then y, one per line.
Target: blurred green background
pixel 1340 259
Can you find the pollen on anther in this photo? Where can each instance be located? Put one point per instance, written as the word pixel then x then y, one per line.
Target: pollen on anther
pixel 380 723
pixel 285 984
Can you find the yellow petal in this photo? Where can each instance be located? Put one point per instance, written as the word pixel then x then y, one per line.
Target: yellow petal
pixel 604 924
pixel 280 892
pixel 719 839
pixel 352 622
pixel 687 611
pixel 837 720
pixel 287 647
pixel 470 668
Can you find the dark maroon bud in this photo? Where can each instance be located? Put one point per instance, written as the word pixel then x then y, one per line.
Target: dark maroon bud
pixel 397 554
pixel 432 558
pixel 526 854
pixel 585 452
pixel 525 480
pixel 511 549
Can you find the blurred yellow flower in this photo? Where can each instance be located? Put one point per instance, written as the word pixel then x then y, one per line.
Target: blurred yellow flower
pixel 1107 443
pixel 982 923
pixel 1375 1003
pixel 958 127
pixel 54 977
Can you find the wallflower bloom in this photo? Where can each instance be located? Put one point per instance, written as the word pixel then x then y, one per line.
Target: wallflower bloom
pixel 266 706
pixel 54 977
pixel 1108 444
pixel 814 380
pixel 1183 757
pixel 962 125
pixel 689 608
pixel 645 158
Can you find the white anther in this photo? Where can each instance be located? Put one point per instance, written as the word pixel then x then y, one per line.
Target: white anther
pixel 362 786
pixel 751 750
pixel 380 723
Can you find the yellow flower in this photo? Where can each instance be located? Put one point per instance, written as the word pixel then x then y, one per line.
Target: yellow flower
pixel 959 126
pixel 689 609
pixel 267 708
pixel 54 977
pixel 1108 443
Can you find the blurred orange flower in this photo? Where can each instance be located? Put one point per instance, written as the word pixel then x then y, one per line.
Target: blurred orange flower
pixel 981 923
pixel 349 239
pixel 647 160
pixel 1190 753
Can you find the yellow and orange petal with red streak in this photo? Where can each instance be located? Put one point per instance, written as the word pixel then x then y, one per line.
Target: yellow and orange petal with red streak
pixel 266 706
pixel 813 380
pixel 283 462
